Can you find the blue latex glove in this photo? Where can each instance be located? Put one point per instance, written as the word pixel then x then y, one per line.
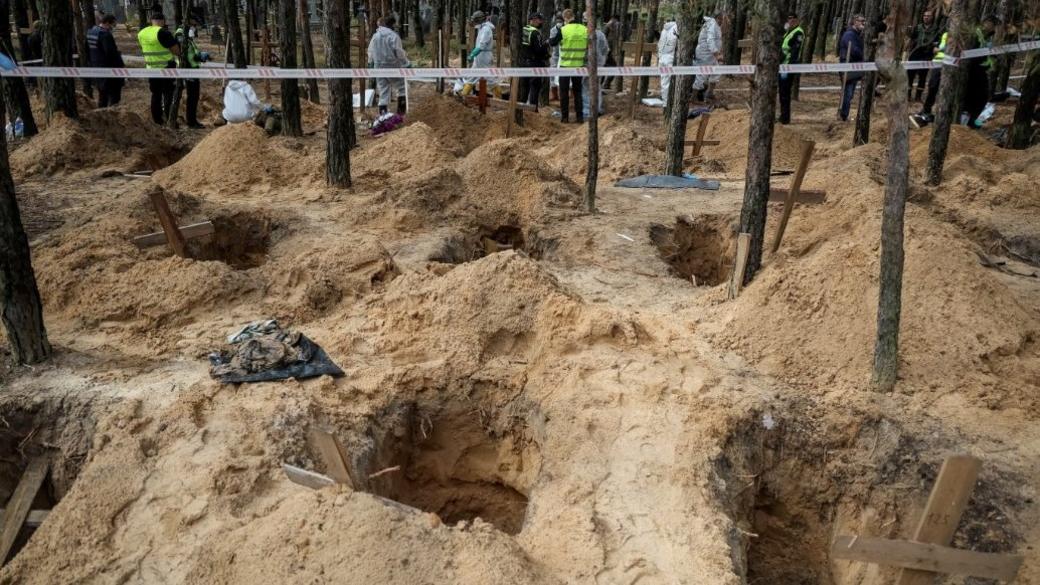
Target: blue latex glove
pixel 6 63
pixel 473 54
pixel 783 77
pixel 203 56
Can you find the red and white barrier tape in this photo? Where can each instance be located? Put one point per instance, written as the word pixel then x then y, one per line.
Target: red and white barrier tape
pixel 214 71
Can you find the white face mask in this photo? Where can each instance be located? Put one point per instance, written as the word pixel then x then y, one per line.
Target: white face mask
pixel 787 26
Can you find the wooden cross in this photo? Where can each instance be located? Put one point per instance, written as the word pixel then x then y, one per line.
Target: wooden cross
pixel 929 551
pixel 171 234
pixel 792 194
pixel 19 507
pixel 740 266
pixel 514 116
pixel 700 143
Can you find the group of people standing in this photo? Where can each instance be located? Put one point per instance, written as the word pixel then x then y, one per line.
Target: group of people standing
pixel 928 42
pixel 165 50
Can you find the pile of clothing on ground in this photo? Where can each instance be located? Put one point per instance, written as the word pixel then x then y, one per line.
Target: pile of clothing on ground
pixel 263 351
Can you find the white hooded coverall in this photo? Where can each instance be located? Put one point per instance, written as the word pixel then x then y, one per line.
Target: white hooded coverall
pixel 708 44
pixel 385 51
pixel 485 41
pixel 666 47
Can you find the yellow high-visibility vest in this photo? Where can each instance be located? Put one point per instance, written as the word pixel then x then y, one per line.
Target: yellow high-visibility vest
pixel 156 56
pixel 573 45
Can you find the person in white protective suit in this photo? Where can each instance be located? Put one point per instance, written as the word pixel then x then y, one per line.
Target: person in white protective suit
pixel 483 52
pixel 385 51
pixel 602 50
pixel 709 51
pixel 554 60
pixel 666 47
pixel 240 102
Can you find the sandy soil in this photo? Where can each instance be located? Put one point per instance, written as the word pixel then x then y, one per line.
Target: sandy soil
pixel 581 406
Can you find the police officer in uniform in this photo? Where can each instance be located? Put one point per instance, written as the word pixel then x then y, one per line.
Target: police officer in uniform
pixel 103 52
pixel 791 54
pixel 160 49
pixel 533 53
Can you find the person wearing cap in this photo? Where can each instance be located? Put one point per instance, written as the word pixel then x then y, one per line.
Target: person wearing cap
pixel 160 49
pixel 481 55
pixel 574 44
pixel 533 53
pixel 385 51
pixel 791 54
pixel 708 52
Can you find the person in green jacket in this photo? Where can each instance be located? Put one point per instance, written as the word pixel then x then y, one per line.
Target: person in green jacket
pixel 192 58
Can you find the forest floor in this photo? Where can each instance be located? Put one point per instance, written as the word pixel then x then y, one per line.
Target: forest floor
pixel 585 406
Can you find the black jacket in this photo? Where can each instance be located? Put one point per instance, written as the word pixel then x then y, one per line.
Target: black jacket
pixel 533 51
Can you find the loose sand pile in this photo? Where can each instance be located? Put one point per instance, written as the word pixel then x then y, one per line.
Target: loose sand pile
pixel 623 152
pixel 110 138
pixel 730 128
pixel 458 128
pixel 240 160
pixel 811 313
pixel 509 184
pixel 403 153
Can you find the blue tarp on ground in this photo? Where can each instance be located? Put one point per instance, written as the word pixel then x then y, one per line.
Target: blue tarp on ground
pixel 667 182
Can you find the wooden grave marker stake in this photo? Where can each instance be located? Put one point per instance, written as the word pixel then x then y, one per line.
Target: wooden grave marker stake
pixel 740 267
pixel 18 508
pixel 929 552
pixel 513 115
pixel 796 186
pixel 334 455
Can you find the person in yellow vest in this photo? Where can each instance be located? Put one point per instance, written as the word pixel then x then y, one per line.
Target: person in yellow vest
pixel 160 50
pixel 574 42
pixel 925 117
pixel 791 54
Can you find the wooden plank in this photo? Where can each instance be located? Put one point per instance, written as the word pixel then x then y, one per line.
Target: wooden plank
pixel 745 43
pixel 195 230
pixel 942 513
pixel 740 267
pixel 33 520
pixel 702 129
pixel 796 185
pixel 804 196
pixel 169 224
pixel 703 143
pixel 334 455
pixel 634 98
pixel 21 501
pixel 924 557
pixel 310 479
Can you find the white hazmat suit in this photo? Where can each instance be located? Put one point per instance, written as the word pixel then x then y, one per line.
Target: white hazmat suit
pixel 666 47
pixel 602 49
pixel 385 51
pixel 485 41
pixel 709 44
pixel 240 102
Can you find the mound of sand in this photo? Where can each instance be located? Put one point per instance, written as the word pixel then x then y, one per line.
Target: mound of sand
pixel 623 152
pixel 240 159
pixel 405 152
pixel 730 128
pixel 458 128
pixel 810 315
pixel 506 183
pixel 113 137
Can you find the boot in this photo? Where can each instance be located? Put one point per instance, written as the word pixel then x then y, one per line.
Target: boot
pixel 467 89
pixel 382 110
pixel 554 94
pixel 401 105
pixel 497 92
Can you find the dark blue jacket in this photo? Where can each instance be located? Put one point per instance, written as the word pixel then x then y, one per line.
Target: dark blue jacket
pixel 852 39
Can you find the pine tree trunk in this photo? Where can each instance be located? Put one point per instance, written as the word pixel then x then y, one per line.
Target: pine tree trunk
pixel 866 98
pixel 21 21
pixel 341 100
pixel 14 92
pixel 20 306
pixel 760 136
pixel 1022 127
pixel 820 44
pixel 1002 70
pixel 291 124
pixel 886 348
pixel 420 36
pixel 57 32
pixel 949 92
pixel 682 92
pixel 308 51
pixel 463 26
pixel 592 168
pixel 250 28
pixel 234 31
pixel 731 40
pixel 142 14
